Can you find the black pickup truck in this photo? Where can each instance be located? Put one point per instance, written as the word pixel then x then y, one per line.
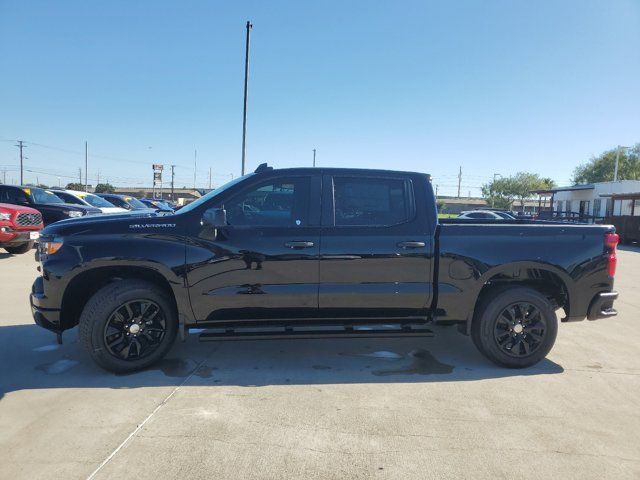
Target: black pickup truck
pixel 318 252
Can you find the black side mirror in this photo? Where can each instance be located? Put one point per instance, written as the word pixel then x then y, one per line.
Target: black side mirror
pixel 215 217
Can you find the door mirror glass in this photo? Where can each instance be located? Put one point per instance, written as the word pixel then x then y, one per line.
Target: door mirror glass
pixel 215 217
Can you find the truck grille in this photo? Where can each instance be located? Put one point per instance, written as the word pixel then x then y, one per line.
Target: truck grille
pixel 28 219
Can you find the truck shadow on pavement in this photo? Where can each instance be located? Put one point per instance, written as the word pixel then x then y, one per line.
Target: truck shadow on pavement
pixel 32 360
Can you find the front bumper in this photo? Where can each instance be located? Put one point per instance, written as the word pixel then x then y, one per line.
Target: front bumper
pixel 601 306
pixel 48 318
pixel 14 238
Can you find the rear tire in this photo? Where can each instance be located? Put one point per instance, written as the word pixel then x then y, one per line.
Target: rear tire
pixel 515 328
pixel 128 325
pixel 20 249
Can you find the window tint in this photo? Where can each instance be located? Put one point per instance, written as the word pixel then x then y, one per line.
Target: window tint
pixel 370 201
pixel 284 202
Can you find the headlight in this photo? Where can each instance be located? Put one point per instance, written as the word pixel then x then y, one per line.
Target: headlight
pixel 5 216
pixel 50 248
pixel 74 214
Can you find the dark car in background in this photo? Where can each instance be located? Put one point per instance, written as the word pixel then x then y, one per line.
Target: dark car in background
pixel 125 201
pixel 48 204
pixel 157 204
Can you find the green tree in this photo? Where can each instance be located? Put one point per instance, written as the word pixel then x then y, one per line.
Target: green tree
pixel 75 186
pixel 601 168
pixel 105 188
pixel 441 206
pixel 503 192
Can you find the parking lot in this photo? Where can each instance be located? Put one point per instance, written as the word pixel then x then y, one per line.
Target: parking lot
pixel 383 408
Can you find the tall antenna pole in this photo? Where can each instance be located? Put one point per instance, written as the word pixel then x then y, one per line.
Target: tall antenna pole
pixel 314 157
pixel 209 178
pixel 459 180
pixel 86 166
pixel 246 91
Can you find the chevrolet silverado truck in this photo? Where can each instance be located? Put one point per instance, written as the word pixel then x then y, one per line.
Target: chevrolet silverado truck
pixel 322 252
pixel 19 228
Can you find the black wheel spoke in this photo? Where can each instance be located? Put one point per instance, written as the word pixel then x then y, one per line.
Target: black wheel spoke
pixel 135 329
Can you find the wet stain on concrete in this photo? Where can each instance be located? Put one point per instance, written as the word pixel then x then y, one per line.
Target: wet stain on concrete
pixel 422 363
pixel 321 367
pixel 59 366
pixel 177 368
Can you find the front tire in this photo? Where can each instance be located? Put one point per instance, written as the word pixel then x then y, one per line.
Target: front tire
pixel 20 249
pixel 516 328
pixel 128 325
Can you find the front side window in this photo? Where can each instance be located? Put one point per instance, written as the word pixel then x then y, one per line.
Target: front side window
pixel 370 201
pixel 282 203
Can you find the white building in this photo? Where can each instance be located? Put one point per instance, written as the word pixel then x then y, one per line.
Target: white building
pixel 595 199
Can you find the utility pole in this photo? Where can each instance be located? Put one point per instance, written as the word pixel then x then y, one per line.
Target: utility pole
pixel 459 180
pixel 86 166
pixel 209 178
pixel 246 88
pixel 195 166
pixel 21 146
pixel 172 176
pixel 436 189
pixel 314 157
pixel 615 171
pixel 80 175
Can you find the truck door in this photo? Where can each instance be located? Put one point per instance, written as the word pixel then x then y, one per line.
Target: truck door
pixel 375 250
pixel 264 263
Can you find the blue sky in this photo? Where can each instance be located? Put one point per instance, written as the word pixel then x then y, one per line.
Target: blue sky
pixel 492 86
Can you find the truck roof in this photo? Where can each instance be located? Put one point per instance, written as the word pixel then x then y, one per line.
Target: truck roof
pixel 263 168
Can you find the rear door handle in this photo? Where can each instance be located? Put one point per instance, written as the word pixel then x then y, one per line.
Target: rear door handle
pixel 298 245
pixel 412 244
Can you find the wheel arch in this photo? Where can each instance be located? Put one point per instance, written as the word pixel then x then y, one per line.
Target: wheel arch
pixel 546 279
pixel 85 284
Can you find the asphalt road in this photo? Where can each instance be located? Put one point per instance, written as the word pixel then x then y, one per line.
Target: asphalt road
pixel 384 408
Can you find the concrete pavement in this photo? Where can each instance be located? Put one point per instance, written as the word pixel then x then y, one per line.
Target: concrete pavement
pixel 383 408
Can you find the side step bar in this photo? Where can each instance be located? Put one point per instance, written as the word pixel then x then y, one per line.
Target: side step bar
pixel 279 333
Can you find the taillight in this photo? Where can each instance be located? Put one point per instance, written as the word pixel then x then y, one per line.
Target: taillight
pixel 610 242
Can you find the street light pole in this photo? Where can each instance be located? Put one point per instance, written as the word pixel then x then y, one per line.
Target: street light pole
pixel 246 88
pixel 314 157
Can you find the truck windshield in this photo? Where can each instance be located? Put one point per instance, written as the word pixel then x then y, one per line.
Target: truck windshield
pixel 44 196
pixel 211 194
pixel 96 201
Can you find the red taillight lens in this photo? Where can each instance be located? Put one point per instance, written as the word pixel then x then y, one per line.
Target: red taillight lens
pixel 610 242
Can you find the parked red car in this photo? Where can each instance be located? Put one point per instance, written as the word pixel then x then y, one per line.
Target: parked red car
pixel 19 227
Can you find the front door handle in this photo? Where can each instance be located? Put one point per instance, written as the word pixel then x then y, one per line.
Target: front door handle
pixel 412 244
pixel 298 245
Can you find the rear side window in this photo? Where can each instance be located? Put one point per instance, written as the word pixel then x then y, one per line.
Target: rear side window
pixel 371 201
pixel 12 195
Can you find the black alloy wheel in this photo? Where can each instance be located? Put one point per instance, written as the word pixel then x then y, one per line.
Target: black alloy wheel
pixel 135 329
pixel 520 329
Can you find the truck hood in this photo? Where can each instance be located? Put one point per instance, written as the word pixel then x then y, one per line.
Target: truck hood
pixel 99 223
pixel 8 207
